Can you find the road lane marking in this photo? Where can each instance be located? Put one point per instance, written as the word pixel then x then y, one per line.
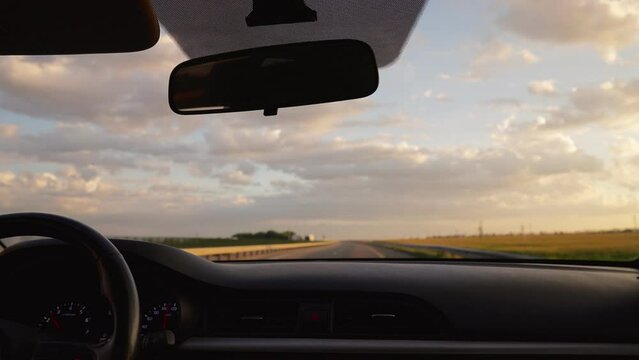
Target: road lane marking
pixel 379 254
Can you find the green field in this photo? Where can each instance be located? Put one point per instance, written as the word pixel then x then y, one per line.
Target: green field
pixel 604 246
pixel 421 253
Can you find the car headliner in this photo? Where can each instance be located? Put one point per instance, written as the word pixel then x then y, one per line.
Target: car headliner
pixel 203 28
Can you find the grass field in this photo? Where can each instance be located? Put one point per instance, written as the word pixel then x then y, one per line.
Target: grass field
pixel 421 253
pixel 614 246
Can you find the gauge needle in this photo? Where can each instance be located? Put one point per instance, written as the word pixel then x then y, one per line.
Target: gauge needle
pixel 164 321
pixel 55 322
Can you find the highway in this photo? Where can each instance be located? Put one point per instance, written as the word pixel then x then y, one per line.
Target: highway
pixel 363 250
pixel 338 250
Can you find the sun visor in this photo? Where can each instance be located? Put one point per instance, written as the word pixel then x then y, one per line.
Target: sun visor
pixel 203 28
pixel 36 27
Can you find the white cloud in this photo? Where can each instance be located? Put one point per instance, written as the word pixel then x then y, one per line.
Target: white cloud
pixel 495 56
pixel 505 104
pixel 337 184
pixel 607 25
pixel 613 104
pixel 542 87
pixel 8 130
pixel 243 142
pixel 607 85
pixel 625 164
pixel 242 200
pixel 528 57
pixel 121 93
pixel 437 96
pixel 384 121
pixel 61 190
pixel 546 152
pixel 88 148
pixel 441 97
pixel 7 178
pixel 237 177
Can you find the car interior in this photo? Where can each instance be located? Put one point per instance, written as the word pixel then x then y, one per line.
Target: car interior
pixel 72 293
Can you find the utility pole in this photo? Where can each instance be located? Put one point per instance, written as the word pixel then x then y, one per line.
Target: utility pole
pixel 481 228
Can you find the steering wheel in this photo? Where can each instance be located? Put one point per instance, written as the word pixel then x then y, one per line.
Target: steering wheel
pixel 116 285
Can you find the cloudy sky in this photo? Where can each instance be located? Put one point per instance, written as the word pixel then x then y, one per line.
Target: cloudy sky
pixel 507 112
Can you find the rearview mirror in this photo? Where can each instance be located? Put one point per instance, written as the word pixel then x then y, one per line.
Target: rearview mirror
pixel 273 77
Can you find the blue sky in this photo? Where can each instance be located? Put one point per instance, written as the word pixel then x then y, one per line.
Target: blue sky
pixel 494 112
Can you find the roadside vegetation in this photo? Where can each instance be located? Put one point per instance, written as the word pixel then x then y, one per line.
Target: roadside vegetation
pixel 241 239
pixel 611 246
pixel 421 253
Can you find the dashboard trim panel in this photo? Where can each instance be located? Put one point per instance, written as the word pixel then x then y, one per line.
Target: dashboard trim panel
pixel 353 346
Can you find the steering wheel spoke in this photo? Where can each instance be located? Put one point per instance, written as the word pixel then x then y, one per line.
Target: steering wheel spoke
pixel 18 340
pixel 57 350
pixel 26 344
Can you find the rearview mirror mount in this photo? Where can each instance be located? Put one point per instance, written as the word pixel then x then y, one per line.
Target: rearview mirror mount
pixel 273 77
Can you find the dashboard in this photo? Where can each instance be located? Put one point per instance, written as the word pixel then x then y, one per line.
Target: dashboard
pixel 193 308
pixel 58 293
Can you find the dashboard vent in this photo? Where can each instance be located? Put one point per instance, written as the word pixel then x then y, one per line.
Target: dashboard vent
pixel 365 316
pixel 255 318
pixel 383 319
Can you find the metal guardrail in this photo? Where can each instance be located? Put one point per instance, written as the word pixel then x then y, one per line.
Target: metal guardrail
pixel 221 253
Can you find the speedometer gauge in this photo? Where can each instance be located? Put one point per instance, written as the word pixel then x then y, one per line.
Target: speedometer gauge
pixel 162 316
pixel 72 320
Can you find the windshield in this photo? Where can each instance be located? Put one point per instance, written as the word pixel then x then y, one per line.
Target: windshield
pixel 504 129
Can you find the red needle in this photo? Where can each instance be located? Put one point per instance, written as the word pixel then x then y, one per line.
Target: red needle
pixel 164 321
pixel 55 321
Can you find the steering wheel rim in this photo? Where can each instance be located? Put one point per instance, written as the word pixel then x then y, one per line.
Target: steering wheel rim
pixel 116 281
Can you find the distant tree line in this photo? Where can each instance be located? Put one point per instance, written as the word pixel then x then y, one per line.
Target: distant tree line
pixel 265 235
pixel 583 232
pixel 258 238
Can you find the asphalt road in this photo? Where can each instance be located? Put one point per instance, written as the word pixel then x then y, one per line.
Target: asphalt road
pixel 363 250
pixel 338 250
